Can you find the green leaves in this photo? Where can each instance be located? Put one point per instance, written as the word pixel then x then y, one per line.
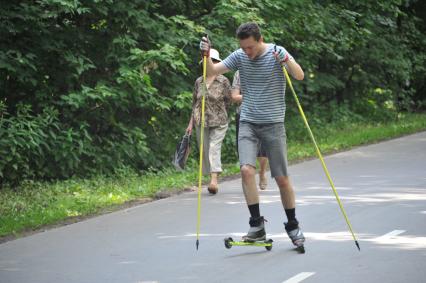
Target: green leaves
pixel 79 63
pixel 120 71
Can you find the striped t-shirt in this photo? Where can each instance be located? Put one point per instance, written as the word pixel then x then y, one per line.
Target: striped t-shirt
pixel 263 85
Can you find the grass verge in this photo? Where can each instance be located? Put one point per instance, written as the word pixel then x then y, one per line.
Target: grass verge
pixel 34 205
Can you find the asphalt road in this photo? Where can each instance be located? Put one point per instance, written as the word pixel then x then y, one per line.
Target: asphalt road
pixel 382 187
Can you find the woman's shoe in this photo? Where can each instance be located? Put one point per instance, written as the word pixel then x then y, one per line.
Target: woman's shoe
pixel 213 189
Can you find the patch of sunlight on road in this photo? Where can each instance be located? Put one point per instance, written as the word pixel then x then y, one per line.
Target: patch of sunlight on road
pixel 334 236
pixel 403 242
pixel 191 235
pixel 10 269
pixel 397 241
pixel 368 198
pixel 263 199
pixel 354 154
pixel 127 262
pixel 387 197
pixel 321 188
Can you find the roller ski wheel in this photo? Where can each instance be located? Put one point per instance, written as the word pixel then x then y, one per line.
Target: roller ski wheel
pixel 229 242
pixel 268 247
pixel 300 249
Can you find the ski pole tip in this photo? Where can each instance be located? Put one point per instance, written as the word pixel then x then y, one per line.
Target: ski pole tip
pixel 357 245
pixel 197 243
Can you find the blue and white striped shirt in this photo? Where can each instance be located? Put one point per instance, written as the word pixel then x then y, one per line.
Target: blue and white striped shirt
pixel 263 85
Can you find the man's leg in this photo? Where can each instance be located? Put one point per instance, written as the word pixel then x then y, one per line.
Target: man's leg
pixel 247 154
pixel 249 184
pixel 277 155
pixel 257 225
pixel 288 198
pixel 247 151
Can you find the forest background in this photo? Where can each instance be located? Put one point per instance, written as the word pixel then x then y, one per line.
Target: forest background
pixel 92 87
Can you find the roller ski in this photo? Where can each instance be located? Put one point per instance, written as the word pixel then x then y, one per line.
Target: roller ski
pixel 267 243
pixel 256 236
pixel 296 235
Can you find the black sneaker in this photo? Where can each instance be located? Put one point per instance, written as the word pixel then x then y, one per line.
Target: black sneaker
pixel 256 231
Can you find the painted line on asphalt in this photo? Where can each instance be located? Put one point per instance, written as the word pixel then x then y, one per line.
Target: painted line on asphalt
pixel 391 234
pixel 299 277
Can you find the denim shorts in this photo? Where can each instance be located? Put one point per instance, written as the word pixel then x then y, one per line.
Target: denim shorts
pixel 273 140
pixel 260 150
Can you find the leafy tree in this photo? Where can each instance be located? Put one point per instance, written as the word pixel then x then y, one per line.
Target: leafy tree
pixel 91 86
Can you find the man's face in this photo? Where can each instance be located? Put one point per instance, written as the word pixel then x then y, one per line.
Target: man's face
pixel 251 47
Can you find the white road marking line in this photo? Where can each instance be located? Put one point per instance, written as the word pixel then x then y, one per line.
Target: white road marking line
pixel 390 234
pixel 127 262
pixel 299 277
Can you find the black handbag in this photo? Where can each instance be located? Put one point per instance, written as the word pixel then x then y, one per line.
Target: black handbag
pixel 182 152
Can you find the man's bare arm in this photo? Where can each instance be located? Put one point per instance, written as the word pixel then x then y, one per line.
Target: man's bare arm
pixel 295 70
pixel 286 60
pixel 215 69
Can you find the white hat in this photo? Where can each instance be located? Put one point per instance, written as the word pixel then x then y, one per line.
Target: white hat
pixel 214 54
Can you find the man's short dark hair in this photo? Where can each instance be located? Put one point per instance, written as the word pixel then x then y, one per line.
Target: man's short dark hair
pixel 246 30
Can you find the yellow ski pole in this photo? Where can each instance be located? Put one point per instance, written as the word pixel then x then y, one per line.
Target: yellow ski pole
pixel 320 157
pixel 200 173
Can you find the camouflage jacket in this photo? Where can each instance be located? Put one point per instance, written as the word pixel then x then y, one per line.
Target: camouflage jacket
pixel 218 98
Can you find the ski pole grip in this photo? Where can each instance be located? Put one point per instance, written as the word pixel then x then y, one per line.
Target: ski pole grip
pixel 207 52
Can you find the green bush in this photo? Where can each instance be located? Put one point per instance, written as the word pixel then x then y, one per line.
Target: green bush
pixel 37 146
pixel 90 86
pixel 40 147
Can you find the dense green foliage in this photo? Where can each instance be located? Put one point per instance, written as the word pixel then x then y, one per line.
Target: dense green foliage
pixel 91 86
